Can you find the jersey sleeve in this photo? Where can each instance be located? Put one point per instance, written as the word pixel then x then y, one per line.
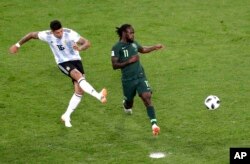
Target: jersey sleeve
pixel 74 36
pixel 138 45
pixel 115 51
pixel 43 35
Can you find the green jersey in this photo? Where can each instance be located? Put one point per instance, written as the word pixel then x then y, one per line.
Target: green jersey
pixel 123 51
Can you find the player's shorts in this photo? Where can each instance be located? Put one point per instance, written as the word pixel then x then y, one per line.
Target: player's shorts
pixel 131 87
pixel 68 66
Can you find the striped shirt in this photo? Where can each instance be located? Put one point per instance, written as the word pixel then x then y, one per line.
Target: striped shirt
pixel 62 48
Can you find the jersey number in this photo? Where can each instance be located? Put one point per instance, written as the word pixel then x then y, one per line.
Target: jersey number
pixel 125 53
pixel 147 84
pixel 60 47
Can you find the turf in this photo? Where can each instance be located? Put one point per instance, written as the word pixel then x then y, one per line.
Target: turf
pixel 207 52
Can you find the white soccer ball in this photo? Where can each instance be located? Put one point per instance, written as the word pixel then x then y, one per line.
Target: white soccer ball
pixel 212 102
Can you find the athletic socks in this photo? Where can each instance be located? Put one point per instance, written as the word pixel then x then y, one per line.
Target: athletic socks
pixel 86 87
pixel 151 114
pixel 73 103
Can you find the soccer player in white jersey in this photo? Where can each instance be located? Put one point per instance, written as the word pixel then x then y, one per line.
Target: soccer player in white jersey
pixel 65 45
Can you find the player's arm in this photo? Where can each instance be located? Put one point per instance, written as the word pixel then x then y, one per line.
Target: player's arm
pixel 117 65
pixel 147 49
pixel 32 35
pixel 82 44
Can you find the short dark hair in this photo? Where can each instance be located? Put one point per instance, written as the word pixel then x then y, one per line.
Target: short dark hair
pixel 55 25
pixel 121 29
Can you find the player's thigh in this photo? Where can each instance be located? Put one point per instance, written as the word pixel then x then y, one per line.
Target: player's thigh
pixel 78 65
pixel 129 89
pixel 67 67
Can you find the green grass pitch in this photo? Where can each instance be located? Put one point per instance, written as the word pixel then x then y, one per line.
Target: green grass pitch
pixel 207 52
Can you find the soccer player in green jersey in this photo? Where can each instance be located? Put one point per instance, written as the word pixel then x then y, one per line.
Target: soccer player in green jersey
pixel 125 56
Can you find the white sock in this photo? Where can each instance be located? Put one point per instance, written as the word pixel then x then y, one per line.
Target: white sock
pixel 86 87
pixel 73 103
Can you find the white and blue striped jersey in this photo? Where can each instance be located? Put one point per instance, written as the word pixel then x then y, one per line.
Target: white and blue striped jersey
pixel 62 48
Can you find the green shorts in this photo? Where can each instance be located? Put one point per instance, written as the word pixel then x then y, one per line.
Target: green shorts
pixel 130 87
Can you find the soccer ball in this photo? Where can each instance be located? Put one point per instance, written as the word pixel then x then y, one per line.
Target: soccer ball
pixel 212 102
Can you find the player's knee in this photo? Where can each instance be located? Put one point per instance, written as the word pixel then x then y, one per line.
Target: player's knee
pixel 79 92
pixel 146 97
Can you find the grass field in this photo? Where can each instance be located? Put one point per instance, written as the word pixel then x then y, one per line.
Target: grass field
pixel 207 52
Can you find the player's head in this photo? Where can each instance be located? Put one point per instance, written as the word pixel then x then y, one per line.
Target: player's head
pixel 56 28
pixel 126 32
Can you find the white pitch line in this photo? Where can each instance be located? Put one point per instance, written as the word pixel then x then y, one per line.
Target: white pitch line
pixel 157 155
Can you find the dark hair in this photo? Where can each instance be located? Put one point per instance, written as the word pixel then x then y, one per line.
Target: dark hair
pixel 121 29
pixel 55 25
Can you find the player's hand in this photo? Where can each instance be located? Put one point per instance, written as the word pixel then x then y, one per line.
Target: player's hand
pixel 134 59
pixel 13 49
pixel 76 47
pixel 159 46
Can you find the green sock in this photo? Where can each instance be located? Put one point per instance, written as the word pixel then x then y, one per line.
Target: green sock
pixel 151 114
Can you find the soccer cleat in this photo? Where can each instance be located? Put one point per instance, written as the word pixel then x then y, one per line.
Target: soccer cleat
pixel 128 111
pixel 155 130
pixel 66 121
pixel 104 94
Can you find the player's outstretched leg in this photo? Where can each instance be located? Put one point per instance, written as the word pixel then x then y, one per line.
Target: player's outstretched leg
pixel 86 87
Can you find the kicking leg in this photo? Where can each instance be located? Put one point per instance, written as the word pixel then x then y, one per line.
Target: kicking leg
pixel 86 87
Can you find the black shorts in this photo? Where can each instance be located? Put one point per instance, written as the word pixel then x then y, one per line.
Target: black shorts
pixel 68 66
pixel 130 88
